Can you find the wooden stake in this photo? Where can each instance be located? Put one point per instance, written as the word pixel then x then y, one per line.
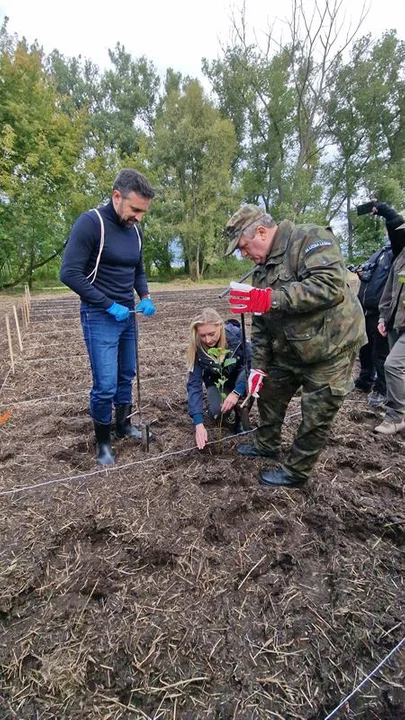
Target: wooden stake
pixel 10 344
pixel 17 324
pixel 27 303
pixel 24 312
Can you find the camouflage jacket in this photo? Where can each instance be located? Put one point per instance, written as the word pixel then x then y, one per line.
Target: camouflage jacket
pixel 314 314
pixel 392 303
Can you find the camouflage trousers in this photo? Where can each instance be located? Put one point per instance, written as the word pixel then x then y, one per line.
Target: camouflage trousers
pixel 324 387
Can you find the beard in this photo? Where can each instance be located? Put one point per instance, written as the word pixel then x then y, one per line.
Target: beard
pixel 127 222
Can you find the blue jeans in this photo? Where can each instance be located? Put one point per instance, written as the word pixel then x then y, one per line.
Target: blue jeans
pixel 111 348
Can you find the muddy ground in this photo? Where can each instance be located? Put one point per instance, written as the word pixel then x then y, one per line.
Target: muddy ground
pixel 173 586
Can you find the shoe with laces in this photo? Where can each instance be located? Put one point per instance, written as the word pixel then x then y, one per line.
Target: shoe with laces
pixel 389 427
pixel 376 399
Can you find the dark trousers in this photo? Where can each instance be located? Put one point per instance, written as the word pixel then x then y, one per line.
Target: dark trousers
pixel 111 348
pixel 323 390
pixel 214 399
pixel 372 357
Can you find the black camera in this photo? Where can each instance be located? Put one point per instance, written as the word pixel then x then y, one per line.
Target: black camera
pixel 366 270
pixel 365 208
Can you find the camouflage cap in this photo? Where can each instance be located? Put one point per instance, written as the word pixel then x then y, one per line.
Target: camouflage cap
pixel 239 222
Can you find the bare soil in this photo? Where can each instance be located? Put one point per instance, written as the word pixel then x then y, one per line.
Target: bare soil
pixel 173 586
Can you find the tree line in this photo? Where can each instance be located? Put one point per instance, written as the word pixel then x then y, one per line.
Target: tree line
pixel 307 128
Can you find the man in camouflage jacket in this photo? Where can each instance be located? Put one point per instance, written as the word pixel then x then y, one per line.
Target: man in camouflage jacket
pixel 307 328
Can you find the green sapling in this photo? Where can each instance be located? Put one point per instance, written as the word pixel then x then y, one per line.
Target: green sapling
pixel 222 362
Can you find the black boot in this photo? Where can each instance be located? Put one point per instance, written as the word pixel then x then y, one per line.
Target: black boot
pixel 105 455
pixel 123 425
pixel 279 478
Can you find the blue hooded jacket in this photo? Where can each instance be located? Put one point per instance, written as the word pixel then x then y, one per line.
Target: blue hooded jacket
pixel 373 279
pixel 205 371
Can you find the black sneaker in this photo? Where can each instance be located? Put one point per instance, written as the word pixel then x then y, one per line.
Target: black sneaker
pixel 362 386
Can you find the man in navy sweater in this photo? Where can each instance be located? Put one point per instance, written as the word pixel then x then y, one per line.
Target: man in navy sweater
pixel 103 264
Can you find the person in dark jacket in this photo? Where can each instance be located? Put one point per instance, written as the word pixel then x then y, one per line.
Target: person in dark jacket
pixel 209 331
pixel 103 264
pixel 373 275
pixel 392 325
pixel 393 221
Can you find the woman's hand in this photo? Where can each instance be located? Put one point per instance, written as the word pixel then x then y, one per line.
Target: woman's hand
pixel 201 436
pixel 229 402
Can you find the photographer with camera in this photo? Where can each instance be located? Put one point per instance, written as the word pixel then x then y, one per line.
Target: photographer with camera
pixel 373 275
pixel 391 323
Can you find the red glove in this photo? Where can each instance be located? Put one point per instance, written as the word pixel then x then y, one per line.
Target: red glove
pixel 255 381
pixel 245 298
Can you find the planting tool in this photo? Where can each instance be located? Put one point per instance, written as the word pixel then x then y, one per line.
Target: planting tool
pixel 144 427
pixel 245 407
pixel 246 275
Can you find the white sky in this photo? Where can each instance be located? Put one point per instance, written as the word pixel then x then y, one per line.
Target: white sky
pixel 171 33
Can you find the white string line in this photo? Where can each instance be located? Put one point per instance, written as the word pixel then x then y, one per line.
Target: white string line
pixel 114 468
pixel 383 661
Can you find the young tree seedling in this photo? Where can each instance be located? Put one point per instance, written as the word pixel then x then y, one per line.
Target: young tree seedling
pixel 222 362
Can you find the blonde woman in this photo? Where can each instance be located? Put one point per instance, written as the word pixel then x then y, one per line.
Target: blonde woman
pixel 208 330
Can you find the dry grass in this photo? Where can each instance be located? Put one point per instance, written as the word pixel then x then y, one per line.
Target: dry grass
pixel 179 589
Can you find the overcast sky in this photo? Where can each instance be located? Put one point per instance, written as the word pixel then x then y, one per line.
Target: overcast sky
pixel 171 33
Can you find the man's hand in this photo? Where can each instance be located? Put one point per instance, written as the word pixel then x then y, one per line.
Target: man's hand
pixel 255 382
pixel 230 401
pixel 385 210
pixel 201 436
pixel 146 307
pixel 381 328
pixel 120 312
pixel 246 298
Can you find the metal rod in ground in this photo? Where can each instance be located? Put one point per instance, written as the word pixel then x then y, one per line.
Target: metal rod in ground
pixel 244 348
pixel 246 404
pixel 138 381
pixel 144 430
pixel 246 275
pixel 145 436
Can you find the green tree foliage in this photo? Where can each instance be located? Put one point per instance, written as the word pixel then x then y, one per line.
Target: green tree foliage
pixel 40 148
pixel 193 152
pixel 365 110
pixel 308 126
pixel 276 98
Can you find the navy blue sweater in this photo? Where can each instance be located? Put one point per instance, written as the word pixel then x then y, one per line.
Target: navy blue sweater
pixel 205 372
pixel 121 265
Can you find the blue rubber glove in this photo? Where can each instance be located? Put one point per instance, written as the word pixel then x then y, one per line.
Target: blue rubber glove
pixel 120 312
pixel 146 307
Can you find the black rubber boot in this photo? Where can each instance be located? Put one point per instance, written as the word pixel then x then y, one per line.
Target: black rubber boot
pixel 123 425
pixel 251 450
pixel 279 478
pixel 105 455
